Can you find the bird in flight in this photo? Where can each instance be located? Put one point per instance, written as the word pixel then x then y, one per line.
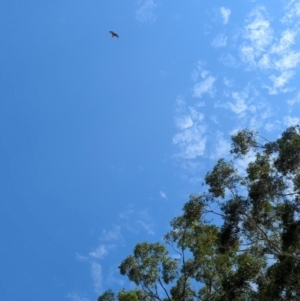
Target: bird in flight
pixel 113 34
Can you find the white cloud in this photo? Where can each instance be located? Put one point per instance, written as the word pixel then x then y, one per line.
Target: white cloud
pixel 243 163
pixel 229 60
pixel 81 257
pixel 148 227
pixel 267 113
pixel 283 59
pixel 191 166
pixel 225 12
pixel 100 252
pixel 258 36
pixel 132 220
pixel 255 122
pixel 191 147
pixel 239 106
pixel 191 141
pixel 196 115
pixel 145 221
pixel 265 62
pixel 258 30
pixel 286 41
pixel 219 41
pixel 76 297
pixel 163 195
pixel 190 138
pixel 291 121
pixel 114 234
pixel 293 10
pixel 288 61
pixel 214 119
pixel 126 215
pixel 96 271
pixel 270 52
pixel 271 126
pixel 248 55
pixel 111 279
pixel 145 11
pixel 221 148
pixel 200 104
pixel 279 82
pixel 205 86
pixel 264 50
pixel 137 220
pixel 184 122
pixel 97 276
pixel 199 71
pixel 294 100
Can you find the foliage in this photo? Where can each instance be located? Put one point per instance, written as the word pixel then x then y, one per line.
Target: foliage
pixel 253 255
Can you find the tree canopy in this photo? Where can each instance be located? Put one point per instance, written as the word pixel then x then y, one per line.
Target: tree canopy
pixel 250 252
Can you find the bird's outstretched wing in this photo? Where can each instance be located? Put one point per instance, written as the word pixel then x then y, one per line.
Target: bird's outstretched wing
pixel 113 34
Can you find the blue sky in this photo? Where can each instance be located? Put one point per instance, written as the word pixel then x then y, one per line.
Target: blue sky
pixel 102 140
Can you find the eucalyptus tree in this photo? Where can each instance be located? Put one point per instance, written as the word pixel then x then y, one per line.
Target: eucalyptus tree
pixel 250 252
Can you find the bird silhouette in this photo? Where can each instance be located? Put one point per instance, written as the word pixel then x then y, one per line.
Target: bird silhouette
pixel 113 34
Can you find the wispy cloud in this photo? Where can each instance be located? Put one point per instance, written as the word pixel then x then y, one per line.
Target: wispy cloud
pixel 136 221
pixel 229 60
pixel 191 138
pixel 191 142
pixel 184 121
pixel 221 146
pixel 258 29
pixel 243 163
pixel 205 86
pixel 112 235
pixel 271 126
pixel 238 104
pixel 288 61
pixel 225 13
pixel 76 297
pixel 291 121
pixel 148 227
pixel 145 11
pixel 163 195
pixel 270 51
pixel 132 220
pixel 292 11
pixel 258 36
pixel 279 82
pixel 111 279
pixel 219 41
pixel 228 82
pixel 94 258
pixel 99 252
pixel 96 270
pixel 81 257
pixel 294 100
pixel 286 40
